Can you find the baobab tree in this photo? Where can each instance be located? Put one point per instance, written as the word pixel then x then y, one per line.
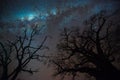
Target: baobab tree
pixel 91 51
pixel 23 50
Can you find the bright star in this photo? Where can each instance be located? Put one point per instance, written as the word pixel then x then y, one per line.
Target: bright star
pixel 54 11
pixel 31 17
pixel 28 17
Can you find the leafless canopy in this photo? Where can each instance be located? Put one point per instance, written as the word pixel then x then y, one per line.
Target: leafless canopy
pixel 91 51
pixel 24 49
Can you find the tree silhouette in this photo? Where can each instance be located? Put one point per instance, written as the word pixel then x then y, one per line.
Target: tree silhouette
pixel 24 50
pixel 91 51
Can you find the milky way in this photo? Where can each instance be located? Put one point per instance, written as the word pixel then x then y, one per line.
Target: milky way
pixel 13 9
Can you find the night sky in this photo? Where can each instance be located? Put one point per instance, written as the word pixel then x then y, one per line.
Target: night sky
pixel 14 9
pixel 53 15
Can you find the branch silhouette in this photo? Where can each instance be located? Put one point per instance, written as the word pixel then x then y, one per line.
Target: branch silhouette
pixel 91 51
pixel 24 52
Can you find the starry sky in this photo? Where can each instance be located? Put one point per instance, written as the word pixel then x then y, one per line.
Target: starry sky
pixel 14 9
pixel 52 14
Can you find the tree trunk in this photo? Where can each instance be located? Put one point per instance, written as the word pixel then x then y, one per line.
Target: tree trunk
pixel 5 73
pixel 15 75
pixel 108 72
